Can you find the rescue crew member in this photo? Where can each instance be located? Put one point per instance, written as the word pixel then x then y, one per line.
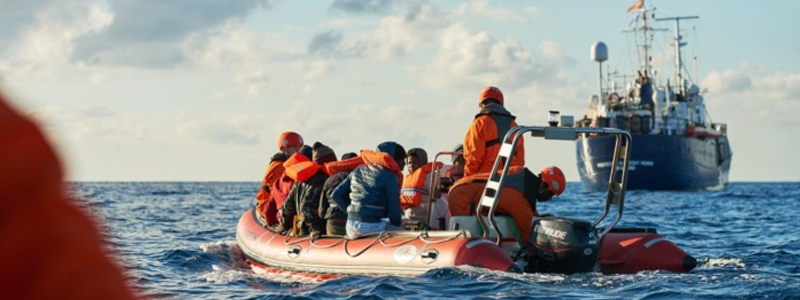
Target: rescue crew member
pixel 374 191
pixel 485 135
pixel 518 198
pixel 415 194
pixel 51 248
pixel 302 204
pixel 457 171
pixel 288 143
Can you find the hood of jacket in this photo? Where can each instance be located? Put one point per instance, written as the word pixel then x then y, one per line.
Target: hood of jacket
pixel 496 109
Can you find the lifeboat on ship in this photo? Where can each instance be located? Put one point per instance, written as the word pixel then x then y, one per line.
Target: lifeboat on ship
pixel 557 244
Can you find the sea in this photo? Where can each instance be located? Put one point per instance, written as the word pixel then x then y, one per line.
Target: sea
pixel 176 240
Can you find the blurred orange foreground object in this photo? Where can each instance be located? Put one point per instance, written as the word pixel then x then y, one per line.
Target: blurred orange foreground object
pixel 48 248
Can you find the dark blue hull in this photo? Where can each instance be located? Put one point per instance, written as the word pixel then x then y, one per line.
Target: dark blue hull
pixel 658 162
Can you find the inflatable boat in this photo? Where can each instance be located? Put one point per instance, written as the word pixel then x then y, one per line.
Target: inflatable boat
pixel 557 244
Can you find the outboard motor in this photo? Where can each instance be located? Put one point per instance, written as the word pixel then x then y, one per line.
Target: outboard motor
pixel 563 245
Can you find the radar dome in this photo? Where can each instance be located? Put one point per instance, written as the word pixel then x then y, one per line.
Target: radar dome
pixel 599 52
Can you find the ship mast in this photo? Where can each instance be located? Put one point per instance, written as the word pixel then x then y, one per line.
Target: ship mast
pixel 644 52
pixel 677 44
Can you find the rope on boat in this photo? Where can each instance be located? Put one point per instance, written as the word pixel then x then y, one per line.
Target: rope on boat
pixel 285 237
pixel 314 244
pixel 365 248
pixel 379 239
pixel 400 243
pixel 424 234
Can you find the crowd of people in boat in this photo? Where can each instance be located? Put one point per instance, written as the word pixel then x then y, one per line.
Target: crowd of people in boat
pixel 308 190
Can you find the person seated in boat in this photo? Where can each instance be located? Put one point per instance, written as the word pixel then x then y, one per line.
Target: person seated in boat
pixel 334 217
pixel 485 135
pixel 283 185
pixel 348 155
pixel 372 191
pixel 415 195
pixel 288 143
pixel 456 172
pixel 302 204
pixel 518 198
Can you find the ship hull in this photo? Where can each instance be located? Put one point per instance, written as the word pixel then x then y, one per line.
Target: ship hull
pixel 658 162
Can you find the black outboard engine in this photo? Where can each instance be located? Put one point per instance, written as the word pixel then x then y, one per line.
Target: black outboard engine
pixel 563 245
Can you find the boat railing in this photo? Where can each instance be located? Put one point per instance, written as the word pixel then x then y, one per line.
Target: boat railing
pixel 616 188
pixel 433 185
pixel 721 127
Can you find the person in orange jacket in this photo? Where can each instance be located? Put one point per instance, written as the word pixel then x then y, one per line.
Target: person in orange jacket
pixel 519 196
pixel 283 185
pixel 484 137
pixel 288 144
pixel 415 191
pixel 50 248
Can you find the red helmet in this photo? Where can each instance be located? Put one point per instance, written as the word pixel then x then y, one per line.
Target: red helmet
pixel 289 138
pixel 555 180
pixel 491 92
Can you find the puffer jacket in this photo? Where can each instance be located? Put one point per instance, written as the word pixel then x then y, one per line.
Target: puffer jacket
pixel 373 189
pixel 328 209
pixel 484 138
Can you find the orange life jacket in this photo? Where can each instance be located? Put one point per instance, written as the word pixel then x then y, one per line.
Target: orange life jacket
pixel 274 171
pixel 415 187
pixel 297 157
pixel 331 168
pixel 382 159
pixel 302 171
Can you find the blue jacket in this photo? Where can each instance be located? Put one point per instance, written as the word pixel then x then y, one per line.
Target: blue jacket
pixel 374 194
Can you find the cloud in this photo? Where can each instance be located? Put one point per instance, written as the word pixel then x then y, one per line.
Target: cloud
pixel 395 35
pixel 317 69
pixel 149 33
pixel 325 42
pixel 467 59
pixel 16 15
pixel 753 94
pixel 235 130
pixel 363 6
pixel 482 9
pixel 555 52
pixel 92 123
pixel 237 45
pixel 49 42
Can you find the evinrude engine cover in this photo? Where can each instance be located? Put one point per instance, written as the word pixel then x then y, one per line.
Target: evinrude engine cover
pixel 563 245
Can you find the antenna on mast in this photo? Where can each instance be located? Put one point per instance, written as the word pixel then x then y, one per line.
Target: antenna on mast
pixel 600 54
pixel 678 44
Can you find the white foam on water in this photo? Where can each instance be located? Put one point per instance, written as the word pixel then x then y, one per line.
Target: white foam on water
pixel 220 274
pixel 224 275
pixel 280 276
pixel 217 246
pixel 722 262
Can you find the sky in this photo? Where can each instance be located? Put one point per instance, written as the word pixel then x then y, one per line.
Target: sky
pixel 199 90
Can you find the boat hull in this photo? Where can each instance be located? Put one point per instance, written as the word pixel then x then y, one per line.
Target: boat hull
pixel 407 254
pixel 393 253
pixel 658 162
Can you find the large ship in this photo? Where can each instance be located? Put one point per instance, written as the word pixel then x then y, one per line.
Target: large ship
pixel 676 146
